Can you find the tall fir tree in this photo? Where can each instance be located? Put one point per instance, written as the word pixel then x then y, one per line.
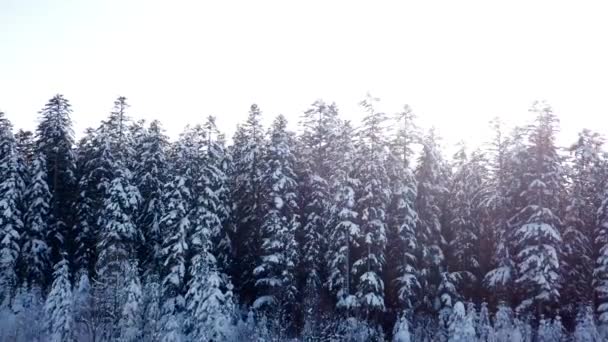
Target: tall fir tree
pixel 373 197
pixel 500 275
pixel 150 176
pixel 318 125
pixel 247 154
pixel 58 306
pixel 344 229
pixel 11 222
pixel 538 225
pixel 432 189
pixel 276 267
pixel 35 254
pixel 402 246
pixel 586 178
pixel 55 141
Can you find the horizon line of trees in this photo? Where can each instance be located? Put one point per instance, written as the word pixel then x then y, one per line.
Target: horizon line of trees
pixel 335 233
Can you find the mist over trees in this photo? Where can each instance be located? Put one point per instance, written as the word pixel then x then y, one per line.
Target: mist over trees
pixel 341 231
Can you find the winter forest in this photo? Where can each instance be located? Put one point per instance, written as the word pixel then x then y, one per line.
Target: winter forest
pixel 336 231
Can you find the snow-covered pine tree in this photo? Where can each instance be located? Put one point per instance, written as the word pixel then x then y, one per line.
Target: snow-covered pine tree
pixel 484 328
pixel 402 245
pixel 213 176
pixel 432 189
pixel 501 275
pixel 26 145
pixel 175 226
pixel 600 272
pixel 83 309
pixel 275 272
pixel 401 332
pixel 58 306
pixel 222 243
pixel 151 305
pixel 209 302
pixel 35 251
pixel 503 323
pixel 93 175
pixel 55 141
pixel 461 327
pixel 208 306
pixel 373 197
pixel 150 175
pixel 130 322
pixel 465 220
pixel 343 224
pixel 119 236
pixel 586 330
pixel 537 225
pixel 584 200
pixel 116 248
pixel 11 223
pixel 247 154
pixel 318 125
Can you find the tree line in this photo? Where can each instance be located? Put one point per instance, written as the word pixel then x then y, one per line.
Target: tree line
pixel 336 232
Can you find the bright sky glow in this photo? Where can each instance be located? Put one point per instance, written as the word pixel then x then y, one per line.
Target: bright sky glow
pixel 457 63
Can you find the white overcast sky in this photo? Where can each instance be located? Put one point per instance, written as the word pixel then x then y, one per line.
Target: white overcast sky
pixel 457 63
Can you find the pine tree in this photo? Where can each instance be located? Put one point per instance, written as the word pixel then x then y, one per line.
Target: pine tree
pixel 35 254
pixel 175 226
pixel 431 191
pixel 401 332
pixel 538 226
pixel 344 227
pixel 150 177
pixel 151 304
pixel 247 153
pixel 93 169
pixel 586 330
pixel 11 224
pixel 314 164
pixel 372 203
pixel 58 306
pixel 210 309
pixel 402 245
pixel 275 270
pixel 500 278
pixel 116 248
pixel 600 272
pixel 579 220
pixel 131 314
pixel 461 326
pixel 83 310
pixel 26 145
pixel 55 141
pixel 465 220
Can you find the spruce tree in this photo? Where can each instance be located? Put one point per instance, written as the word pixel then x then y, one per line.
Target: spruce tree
pixel 314 164
pixel 11 223
pixel 58 306
pixel 175 226
pixel 579 219
pixel 247 154
pixel 538 225
pixel 55 141
pixel 276 267
pixel 373 196
pixel 150 177
pixel 500 276
pixel 344 227
pixel 402 245
pixel 432 189
pixel 35 254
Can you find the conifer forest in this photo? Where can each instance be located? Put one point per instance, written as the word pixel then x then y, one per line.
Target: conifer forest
pixel 317 230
